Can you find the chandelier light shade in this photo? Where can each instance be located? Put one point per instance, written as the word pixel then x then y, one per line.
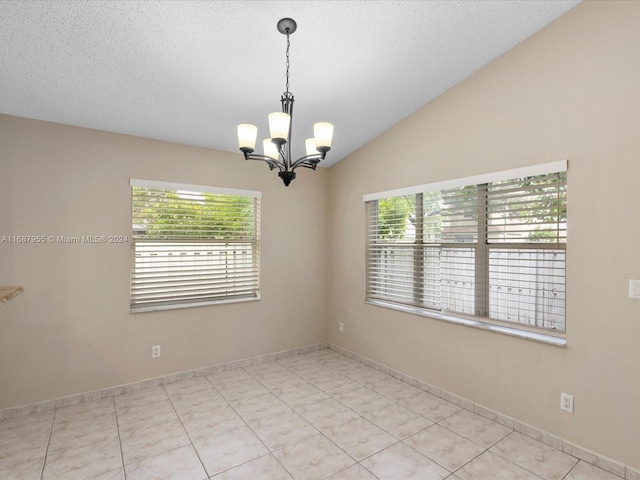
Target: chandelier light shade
pixel 270 149
pixel 279 124
pixel 247 136
pixel 277 148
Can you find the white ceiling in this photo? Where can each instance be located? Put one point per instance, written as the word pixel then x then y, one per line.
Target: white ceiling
pixel 190 71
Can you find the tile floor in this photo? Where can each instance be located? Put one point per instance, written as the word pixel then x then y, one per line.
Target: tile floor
pixel 313 416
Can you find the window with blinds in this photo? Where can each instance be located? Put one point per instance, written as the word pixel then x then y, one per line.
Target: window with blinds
pixel 193 245
pixel 489 247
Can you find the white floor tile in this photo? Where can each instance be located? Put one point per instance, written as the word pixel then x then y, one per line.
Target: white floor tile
pixel 317 415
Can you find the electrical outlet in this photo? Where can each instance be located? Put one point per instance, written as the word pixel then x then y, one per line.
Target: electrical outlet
pixel 155 351
pixel 341 327
pixel 566 402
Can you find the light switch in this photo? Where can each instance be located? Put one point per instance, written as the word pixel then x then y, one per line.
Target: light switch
pixel 634 289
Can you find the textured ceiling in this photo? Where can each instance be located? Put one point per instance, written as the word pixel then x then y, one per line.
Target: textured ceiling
pixel 189 72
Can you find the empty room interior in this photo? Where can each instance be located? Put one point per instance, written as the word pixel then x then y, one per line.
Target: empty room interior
pixel 425 292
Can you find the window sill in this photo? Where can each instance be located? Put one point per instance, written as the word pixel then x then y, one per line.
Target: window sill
pixel 177 306
pixel 491 327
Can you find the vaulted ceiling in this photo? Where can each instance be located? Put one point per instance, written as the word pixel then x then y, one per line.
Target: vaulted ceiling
pixel 190 71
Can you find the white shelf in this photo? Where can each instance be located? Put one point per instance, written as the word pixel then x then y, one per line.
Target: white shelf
pixel 7 293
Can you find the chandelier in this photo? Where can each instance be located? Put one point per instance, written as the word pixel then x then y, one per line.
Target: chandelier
pixel 277 149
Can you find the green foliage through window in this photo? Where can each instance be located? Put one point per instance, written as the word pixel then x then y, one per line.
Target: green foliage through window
pixel 167 214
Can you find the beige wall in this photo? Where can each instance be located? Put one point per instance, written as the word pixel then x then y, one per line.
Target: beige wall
pixel 71 330
pixel 571 91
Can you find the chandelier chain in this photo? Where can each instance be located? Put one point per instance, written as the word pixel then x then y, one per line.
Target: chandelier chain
pixel 287 63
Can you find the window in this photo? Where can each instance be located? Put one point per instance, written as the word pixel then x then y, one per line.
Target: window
pixel 490 247
pixel 193 245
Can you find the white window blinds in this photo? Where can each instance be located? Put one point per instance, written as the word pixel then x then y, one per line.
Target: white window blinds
pixel 494 249
pixel 193 245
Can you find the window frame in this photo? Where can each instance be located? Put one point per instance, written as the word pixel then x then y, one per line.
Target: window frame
pixel 481 246
pixel 197 243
